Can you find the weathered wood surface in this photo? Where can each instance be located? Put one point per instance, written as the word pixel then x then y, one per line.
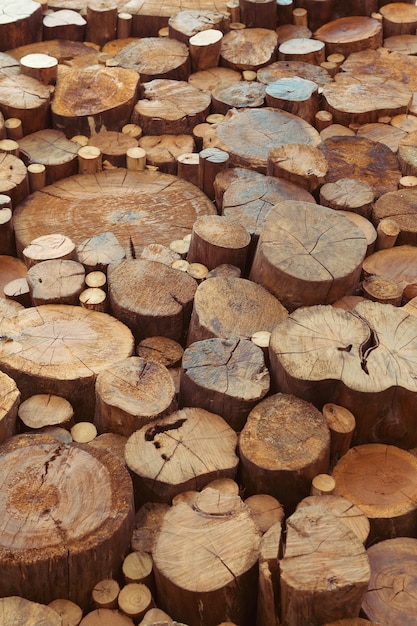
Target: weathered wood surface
pixel 156 57
pixel 350 34
pixel 249 48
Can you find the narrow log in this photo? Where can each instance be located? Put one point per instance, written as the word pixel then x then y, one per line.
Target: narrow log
pixel 211 161
pixel 37 176
pixel 101 21
pixel 249 48
pixel 105 593
pixel 156 57
pixel 341 424
pixel 217 240
pixel 69 612
pixel 134 600
pixel 187 166
pixel 169 456
pixel 205 49
pixel 7 243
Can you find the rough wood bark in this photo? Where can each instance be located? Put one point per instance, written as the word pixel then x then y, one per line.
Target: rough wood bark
pixel 218 583
pixel 156 57
pixel 225 376
pixel 58 561
pixel 350 34
pixel 227 306
pixel 131 394
pixel 170 456
pixel 249 48
pixel 55 282
pixel 296 449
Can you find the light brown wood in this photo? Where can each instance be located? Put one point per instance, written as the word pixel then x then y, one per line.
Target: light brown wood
pixel 205 49
pixel 90 160
pixel 346 35
pixel 341 424
pixel 83 432
pixel 40 66
pixel 322 485
pixel 13 178
pixel 239 94
pixel 18 291
pixel 396 209
pixel 64 24
pixel 302 50
pixel 55 281
pixel 387 234
pixel 23 611
pixel 112 617
pixel 217 240
pixel 53 150
pixel 37 176
pixel 9 407
pixel 134 600
pixel 137 568
pixel 154 616
pixel 105 594
pixel 9 146
pixel 249 48
pixel 98 252
pixel 163 150
pixel 70 613
pixel 43 410
pixel 113 146
pixel 302 165
pixel 124 25
pixel 266 511
pixel 48 247
pixel 136 158
pixel 156 57
pixel 27 99
pixel 384 290
pixel 148 521
pixel 160 349
pixel 211 161
pixel 14 129
pixel 348 194
pixel 288 69
pixel 398 19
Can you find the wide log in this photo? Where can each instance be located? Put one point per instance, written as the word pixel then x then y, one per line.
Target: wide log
pixel 299 164
pixel 156 57
pixel 346 35
pixel 289 69
pixel 238 95
pixel 348 194
pixel 249 48
pixel 163 151
pixel 302 50
pixel 398 18
pixel 14 181
pixel 43 410
pixel 389 134
pixel 59 281
pixel 382 63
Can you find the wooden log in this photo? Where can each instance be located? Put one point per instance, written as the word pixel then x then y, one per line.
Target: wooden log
pixel 94 98
pixel 105 594
pixel 138 568
pixel 7 243
pixel 161 350
pixel 249 134
pixel 208 594
pixel 249 48
pixel 40 66
pixel 381 483
pixel 336 130
pixel 135 600
pixel 387 233
pixel 292 31
pixel 69 612
pixel 64 24
pixel 395 262
pixel 156 57
pixel 14 129
pixel 346 512
pixel 348 194
pixel 401 43
pixel 106 616
pixel 384 133
pixel 187 166
pixel 384 290
pixel 9 407
pixel 131 394
pixel 45 409
pixel 101 21
pixel 26 98
pixel 170 107
pixel 57 281
pixel 18 291
pixel 156 615
pixel 99 251
pixel 163 151
pixel 37 176
pixel 163 308
pixel 322 120
pixel 283 465
pixel 398 19
pixel 362 159
pixel 11 268
pixel 13 178
pixel 9 146
pixel 101 533
pixel 225 376
pixel 256 14
pixel 299 16
pixel 391 424
pixel 148 521
pixel 334 582
pixel 268 582
pixel 384 64
pixel 398 207
pixel 227 306
pixel 53 150
pixel 237 95
pixel 295 95
pixel 319 278
pixel 118 201
pixel 136 158
pixel 289 69
pixel 23 611
pixel 391 561
pixel 404 122
pixel 266 511
pixel 20 24
pixel 186 23
pixel 341 424
pixel 217 240
pixel 112 443
pixel 83 432
pixel 204 49
pixel 302 50
pixel 407 154
pixel 161 254
pixel 169 456
pixel 113 146
pixel 346 35
pixel 302 165
pixel 322 485
pixel 208 80
pixel 48 247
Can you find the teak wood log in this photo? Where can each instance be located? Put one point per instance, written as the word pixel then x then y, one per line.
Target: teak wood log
pixel 348 194
pixel 58 561
pixel 238 95
pixel 14 180
pixel 169 456
pixel 289 69
pixel 21 23
pixel 27 99
pixel 131 394
pixel 302 165
pixel 218 584
pixel 47 248
pixel 104 594
pixel 225 376
pixel 325 570
pixel 399 206
pixel 229 306
pixel 284 462
pixel 350 34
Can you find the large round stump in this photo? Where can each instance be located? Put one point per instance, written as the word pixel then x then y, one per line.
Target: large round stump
pixel 308 254
pixel 141 207
pixel 66 518
pixel 60 349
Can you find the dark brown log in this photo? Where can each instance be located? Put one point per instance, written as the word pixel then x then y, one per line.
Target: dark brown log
pixel 101 21
pixel 341 424
pixel 13 178
pixel 237 95
pixel 186 23
pixel 400 206
pixel 21 23
pixel 348 194
pixel 224 376
pixel 350 34
pixel 170 455
pixel 258 13
pixel 218 585
pixel 249 48
pixel 64 24
pixel 289 69
pixel 170 107
pixel 383 63
pixel 228 306
pixel 398 19
pixel 211 161
pixel 163 151
pixel 319 12
pixel 7 243
pixel 284 462
pixel 156 57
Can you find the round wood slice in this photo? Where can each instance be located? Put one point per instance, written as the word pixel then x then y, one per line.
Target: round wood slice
pixel 9 66
pixel 21 612
pixel 90 98
pixel 350 34
pixel 64 24
pixel 362 159
pixel 134 205
pixel 336 130
pixel 208 80
pixel 391 596
pixel 228 306
pixel 325 570
pixel 170 455
pixel 186 23
pixel 399 18
pixel 381 481
pixel 52 549
pixel 163 350
pixel 348 194
pixel 27 99
pixel 384 133
pixel 362 362
pixel 295 95
pixel 400 206
pixel 20 23
pixel 289 69
pixel 238 95
pixel 346 512
pixel 132 393
pixel 396 263
pixel 404 122
pixel 152 298
pixel 58 281
pixel 314 265
pixel 110 617
pixel 249 48
pixel 45 409
pixel 156 57
pixel 53 150
pixel 363 99
pixel 385 64
pixel 304 50
pixel 248 135
pixel 283 445
pixel 70 612
pixel 164 150
pixel 49 349
pixel 49 247
pixel 224 376
pixel 170 107
pixel 13 178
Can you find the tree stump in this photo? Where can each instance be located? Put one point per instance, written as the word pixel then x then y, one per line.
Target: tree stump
pixel 151 298
pixel 42 410
pixel 48 247
pixel 380 480
pixel 189 22
pixel 398 19
pixel 388 134
pixel 302 50
pixel 113 146
pixel 170 107
pixel 396 263
pixel 325 570
pixel 248 135
pixel 400 206
pixel 170 456
pixel 156 57
pixel 64 24
pixel 218 583
pixel 406 44
pixel 21 23
pixel 98 252
pixel 94 98
pixel 289 69
pixel 55 282
pixel 238 95
pixel 163 151
pixel 302 165
pixel 225 376
pixel 348 194
pixel 283 445
pixel 58 562
pixel 11 268
pixel 362 159
pixel 9 404
pixel 391 594
pixel 49 349
pixel 295 95
pixel 131 394
pixel 161 350
pixel 208 80
pixel 70 612
pixel 350 34
pixel 297 266
pixel 26 98
pixel 249 48
pixel 112 617
pixel 134 205
pixel 13 178
pixel 228 306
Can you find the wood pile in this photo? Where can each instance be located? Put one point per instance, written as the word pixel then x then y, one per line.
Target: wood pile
pixel 208 313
